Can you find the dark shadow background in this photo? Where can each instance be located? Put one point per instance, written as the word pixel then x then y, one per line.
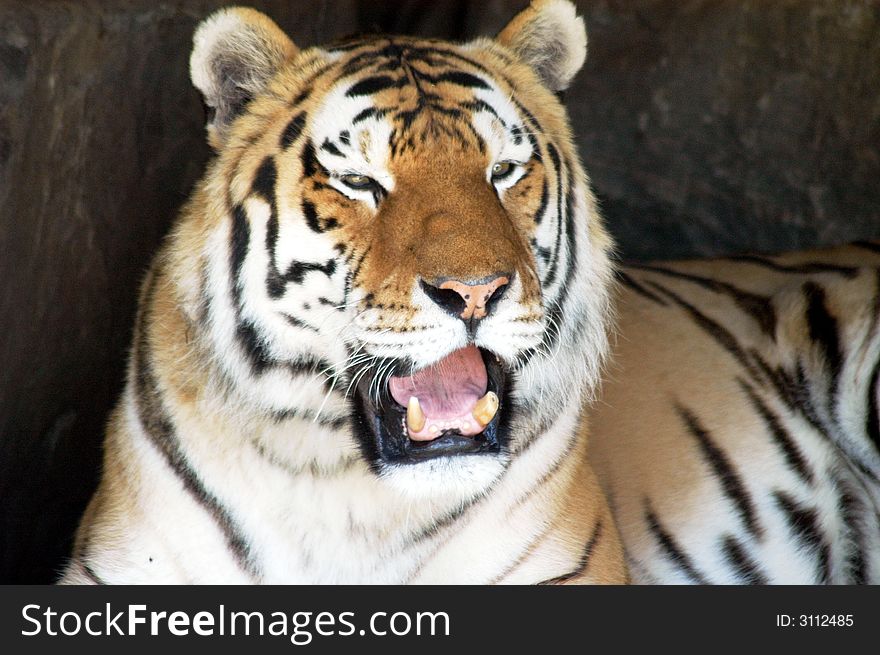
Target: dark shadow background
pixel 707 128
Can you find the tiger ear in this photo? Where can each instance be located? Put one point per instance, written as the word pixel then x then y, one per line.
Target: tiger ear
pixel 236 52
pixel 550 37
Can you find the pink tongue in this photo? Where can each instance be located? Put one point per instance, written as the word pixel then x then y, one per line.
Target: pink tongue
pixel 447 392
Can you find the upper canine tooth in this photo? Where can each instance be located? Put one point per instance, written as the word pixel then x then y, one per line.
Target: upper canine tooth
pixel 415 417
pixel 485 409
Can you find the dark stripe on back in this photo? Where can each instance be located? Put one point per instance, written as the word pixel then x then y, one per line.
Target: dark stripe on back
pixel 745 567
pixel 714 329
pixel 631 284
pixel 758 307
pixel 823 328
pixel 671 548
pixel 813 267
pixel 804 524
pixel 730 481
pixel 868 245
pixel 784 440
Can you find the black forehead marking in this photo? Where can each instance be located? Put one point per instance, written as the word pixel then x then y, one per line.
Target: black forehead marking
pixel 391 64
pixel 329 146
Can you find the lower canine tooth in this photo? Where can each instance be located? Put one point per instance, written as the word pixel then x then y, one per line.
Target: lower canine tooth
pixel 485 409
pixel 415 417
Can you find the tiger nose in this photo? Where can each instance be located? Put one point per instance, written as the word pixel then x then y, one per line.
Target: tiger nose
pixel 468 300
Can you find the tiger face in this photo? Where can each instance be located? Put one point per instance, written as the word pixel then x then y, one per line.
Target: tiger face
pixel 409 240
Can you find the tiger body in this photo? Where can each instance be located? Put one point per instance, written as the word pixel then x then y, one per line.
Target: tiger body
pixel 358 194
pixel 737 431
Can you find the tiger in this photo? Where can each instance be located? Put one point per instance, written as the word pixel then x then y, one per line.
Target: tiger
pixel 363 352
pixel 737 430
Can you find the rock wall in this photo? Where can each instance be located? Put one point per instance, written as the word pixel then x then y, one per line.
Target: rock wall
pixel 707 128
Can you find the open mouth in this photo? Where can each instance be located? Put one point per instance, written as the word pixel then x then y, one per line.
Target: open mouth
pixel 456 406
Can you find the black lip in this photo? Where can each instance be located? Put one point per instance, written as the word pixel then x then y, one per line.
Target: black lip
pixel 382 432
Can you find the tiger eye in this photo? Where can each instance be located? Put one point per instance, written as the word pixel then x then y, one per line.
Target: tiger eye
pixel 357 181
pixel 501 169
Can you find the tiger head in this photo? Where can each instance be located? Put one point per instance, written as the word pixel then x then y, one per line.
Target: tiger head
pixel 400 240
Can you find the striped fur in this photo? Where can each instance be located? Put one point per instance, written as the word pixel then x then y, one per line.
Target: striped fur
pixel 238 451
pixel 737 433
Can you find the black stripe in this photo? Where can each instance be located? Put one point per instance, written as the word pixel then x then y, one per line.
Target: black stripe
pixel 758 307
pixel 671 547
pixel 293 130
pixel 370 85
pixel 309 160
pixel 728 478
pixel 804 523
pixel 872 418
pixel 330 147
pixel 630 283
pixel 557 169
pixel 793 391
pixel 793 455
pixel 298 323
pixel 160 429
pixel 516 133
pixel 345 137
pixel 310 213
pixel 852 511
pixel 823 330
pixel 265 180
pixel 813 267
pixel 479 105
pixel 369 112
pixel 584 561
pixel 542 206
pixel 746 568
pixel 296 272
pixel 90 574
pixel 421 53
pixel 238 249
pixel 868 245
pixel 253 347
pixel 459 78
pixel 522 557
pixel 714 329
pixel 264 185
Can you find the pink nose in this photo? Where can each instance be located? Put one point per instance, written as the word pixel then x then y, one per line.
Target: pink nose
pixel 468 301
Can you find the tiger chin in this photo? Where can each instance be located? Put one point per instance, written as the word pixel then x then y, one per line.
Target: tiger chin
pixel 361 355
